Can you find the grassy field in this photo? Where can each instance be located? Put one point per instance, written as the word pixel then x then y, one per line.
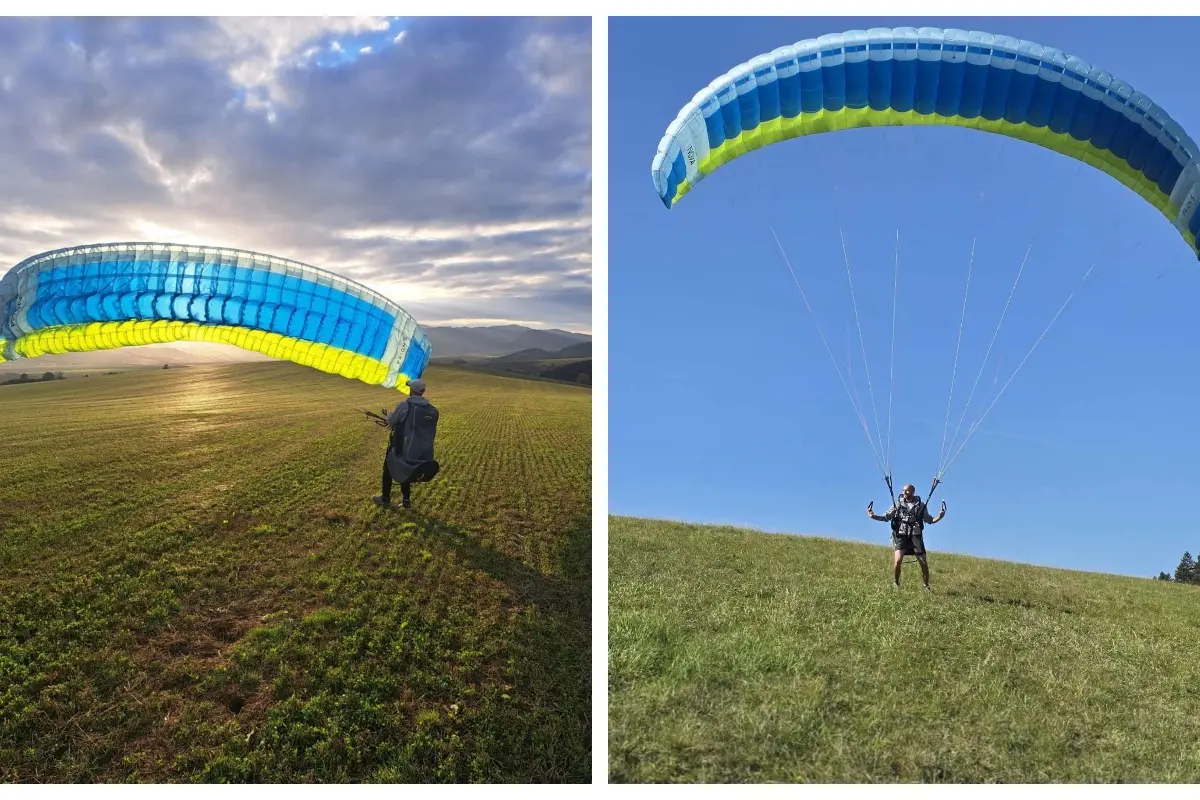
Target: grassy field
pixel 194 585
pixel 742 656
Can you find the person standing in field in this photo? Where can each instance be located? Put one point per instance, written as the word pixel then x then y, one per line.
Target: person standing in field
pixel 908 516
pixel 409 457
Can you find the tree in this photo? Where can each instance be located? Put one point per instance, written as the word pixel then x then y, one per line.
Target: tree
pixel 1186 571
pixel 1162 576
pixel 47 376
pixel 59 376
pixel 24 377
pixel 166 366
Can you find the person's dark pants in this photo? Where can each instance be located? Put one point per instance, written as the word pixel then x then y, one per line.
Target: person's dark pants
pixel 405 488
pixel 910 545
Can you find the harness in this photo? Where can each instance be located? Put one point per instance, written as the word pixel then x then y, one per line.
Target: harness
pixel 910 518
pixel 905 516
pixel 918 508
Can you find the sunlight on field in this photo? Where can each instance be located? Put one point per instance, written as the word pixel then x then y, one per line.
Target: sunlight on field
pixel 195 586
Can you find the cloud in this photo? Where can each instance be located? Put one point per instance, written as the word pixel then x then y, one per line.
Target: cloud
pixel 453 172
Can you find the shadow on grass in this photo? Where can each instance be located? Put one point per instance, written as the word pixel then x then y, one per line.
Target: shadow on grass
pixel 553 656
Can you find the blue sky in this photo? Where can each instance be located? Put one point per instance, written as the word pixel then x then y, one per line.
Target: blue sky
pixel 724 406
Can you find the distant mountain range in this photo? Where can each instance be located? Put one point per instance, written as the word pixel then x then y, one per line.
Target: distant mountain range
pixel 497 340
pixel 581 350
pixel 501 340
pixel 572 363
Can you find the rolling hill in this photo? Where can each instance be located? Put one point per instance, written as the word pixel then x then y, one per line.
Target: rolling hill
pixel 532 354
pixel 498 340
pixel 739 656
pixel 581 350
pixel 565 365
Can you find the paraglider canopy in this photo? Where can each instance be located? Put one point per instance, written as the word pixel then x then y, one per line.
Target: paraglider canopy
pixel 931 76
pixel 103 296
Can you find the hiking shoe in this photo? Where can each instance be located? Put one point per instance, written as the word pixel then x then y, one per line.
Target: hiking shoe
pixel 379 500
pixel 407 503
pixel 928 590
pixel 895 585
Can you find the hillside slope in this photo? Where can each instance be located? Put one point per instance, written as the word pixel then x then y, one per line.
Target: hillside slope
pixel 581 350
pixel 742 656
pixel 497 340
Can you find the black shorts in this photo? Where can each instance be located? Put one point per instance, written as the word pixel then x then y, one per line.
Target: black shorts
pixel 913 545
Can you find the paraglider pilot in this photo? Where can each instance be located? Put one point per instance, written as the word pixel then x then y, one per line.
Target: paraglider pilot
pixel 409 456
pixel 908 516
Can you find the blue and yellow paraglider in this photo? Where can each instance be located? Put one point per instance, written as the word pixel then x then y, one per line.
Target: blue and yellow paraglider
pixel 103 296
pixel 931 76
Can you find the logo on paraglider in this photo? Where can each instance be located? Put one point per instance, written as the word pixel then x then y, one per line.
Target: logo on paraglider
pixel 1189 205
pixel 17 303
pixel 691 155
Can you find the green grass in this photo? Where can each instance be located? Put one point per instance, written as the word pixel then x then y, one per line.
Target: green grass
pixel 742 656
pixel 194 585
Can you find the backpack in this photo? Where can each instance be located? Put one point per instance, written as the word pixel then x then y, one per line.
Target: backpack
pixel 413 441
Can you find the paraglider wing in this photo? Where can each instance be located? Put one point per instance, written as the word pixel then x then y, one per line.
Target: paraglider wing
pixel 931 76
pixel 105 296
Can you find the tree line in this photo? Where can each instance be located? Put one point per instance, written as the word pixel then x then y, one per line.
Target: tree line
pixel 25 378
pixel 1186 572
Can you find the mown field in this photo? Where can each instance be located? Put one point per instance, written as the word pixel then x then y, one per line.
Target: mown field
pixel 737 656
pixel 194 585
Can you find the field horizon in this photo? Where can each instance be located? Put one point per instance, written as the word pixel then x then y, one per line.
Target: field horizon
pixel 878 541
pixel 195 586
pixel 737 655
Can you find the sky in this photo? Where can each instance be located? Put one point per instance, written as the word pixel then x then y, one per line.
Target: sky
pixel 726 408
pixel 443 162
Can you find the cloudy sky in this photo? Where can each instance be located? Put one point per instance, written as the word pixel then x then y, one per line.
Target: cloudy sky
pixel 443 162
